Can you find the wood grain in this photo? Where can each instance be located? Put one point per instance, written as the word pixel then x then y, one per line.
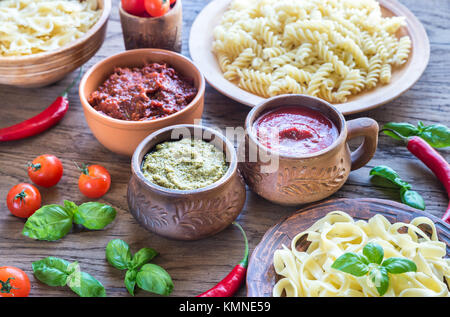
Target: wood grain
pixel 261 276
pixel 196 266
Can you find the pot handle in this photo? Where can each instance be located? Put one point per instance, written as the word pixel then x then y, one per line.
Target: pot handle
pixel 367 128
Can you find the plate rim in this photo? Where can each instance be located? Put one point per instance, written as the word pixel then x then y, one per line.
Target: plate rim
pixel 307 208
pixel 251 100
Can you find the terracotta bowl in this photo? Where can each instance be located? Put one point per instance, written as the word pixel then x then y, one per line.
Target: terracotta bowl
pixel 121 136
pixel 42 69
pixel 301 179
pixel 186 214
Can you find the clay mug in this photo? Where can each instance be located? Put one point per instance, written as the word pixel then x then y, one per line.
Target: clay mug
pixel 294 180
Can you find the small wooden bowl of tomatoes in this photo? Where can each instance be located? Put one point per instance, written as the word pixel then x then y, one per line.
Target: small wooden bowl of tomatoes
pixel 152 24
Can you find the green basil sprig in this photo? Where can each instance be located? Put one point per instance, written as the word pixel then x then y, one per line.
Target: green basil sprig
pixel 437 135
pixel 371 263
pixel 59 272
pixel 408 196
pixel 149 277
pixel 52 222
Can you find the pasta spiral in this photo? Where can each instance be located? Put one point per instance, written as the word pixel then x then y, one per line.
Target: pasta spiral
pixel 337 47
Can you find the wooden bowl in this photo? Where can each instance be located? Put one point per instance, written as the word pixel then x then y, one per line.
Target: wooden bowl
pixel 186 214
pixel 261 276
pixel 42 69
pixel 120 136
pixel 153 32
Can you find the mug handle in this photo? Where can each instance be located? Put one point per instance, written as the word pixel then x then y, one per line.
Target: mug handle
pixel 367 128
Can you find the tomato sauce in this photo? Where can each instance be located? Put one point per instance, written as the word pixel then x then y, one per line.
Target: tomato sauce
pixel 146 93
pixel 294 130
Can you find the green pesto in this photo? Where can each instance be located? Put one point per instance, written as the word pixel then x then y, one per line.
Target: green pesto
pixel 185 165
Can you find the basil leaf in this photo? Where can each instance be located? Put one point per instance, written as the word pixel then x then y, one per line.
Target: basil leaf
pixel 130 281
pixel 74 278
pixel 420 126
pixel 374 253
pixel 51 222
pixel 396 265
pixel 94 215
pixel 73 267
pixel 84 285
pixel 142 256
pixel 155 279
pixel 70 206
pixel 389 174
pixel 404 129
pixel 352 263
pixel 380 279
pixel 412 198
pixel 437 135
pixel 51 271
pixel 385 172
pixel 118 254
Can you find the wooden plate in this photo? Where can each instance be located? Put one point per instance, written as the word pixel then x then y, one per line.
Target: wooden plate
pixel 261 276
pixel 200 47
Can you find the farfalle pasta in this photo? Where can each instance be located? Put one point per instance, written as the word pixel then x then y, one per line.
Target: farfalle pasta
pixel 331 49
pixel 35 26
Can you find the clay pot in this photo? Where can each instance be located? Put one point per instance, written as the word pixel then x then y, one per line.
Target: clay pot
pixel 186 214
pixel 153 32
pixel 294 180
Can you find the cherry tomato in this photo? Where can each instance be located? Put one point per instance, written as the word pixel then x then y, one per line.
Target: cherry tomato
pixel 45 170
pixel 157 8
pixel 13 282
pixel 23 200
pixel 172 1
pixel 94 181
pixel 135 7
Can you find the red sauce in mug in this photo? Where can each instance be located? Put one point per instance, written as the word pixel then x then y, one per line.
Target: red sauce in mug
pixel 294 130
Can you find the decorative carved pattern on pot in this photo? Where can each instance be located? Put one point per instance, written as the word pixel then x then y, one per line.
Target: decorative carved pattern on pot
pixel 195 214
pixel 153 216
pixel 251 173
pixel 310 180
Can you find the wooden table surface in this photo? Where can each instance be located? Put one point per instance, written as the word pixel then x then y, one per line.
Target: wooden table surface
pixel 195 266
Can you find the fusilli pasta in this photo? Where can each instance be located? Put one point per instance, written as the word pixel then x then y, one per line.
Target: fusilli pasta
pixel 331 49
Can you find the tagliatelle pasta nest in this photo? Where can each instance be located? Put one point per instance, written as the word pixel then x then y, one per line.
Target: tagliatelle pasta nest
pixel 331 49
pixel 35 26
pixel 309 273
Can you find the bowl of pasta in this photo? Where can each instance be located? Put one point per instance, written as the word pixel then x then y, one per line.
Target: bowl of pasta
pixel 41 41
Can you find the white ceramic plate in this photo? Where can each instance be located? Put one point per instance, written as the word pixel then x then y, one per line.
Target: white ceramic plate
pixel 200 47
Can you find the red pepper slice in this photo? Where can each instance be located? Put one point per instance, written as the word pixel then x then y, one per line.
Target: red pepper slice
pixel 231 283
pixel 41 122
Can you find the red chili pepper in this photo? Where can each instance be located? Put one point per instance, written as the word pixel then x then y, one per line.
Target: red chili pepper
pixel 431 158
pixel 41 122
pixel 231 283
pixel 435 162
